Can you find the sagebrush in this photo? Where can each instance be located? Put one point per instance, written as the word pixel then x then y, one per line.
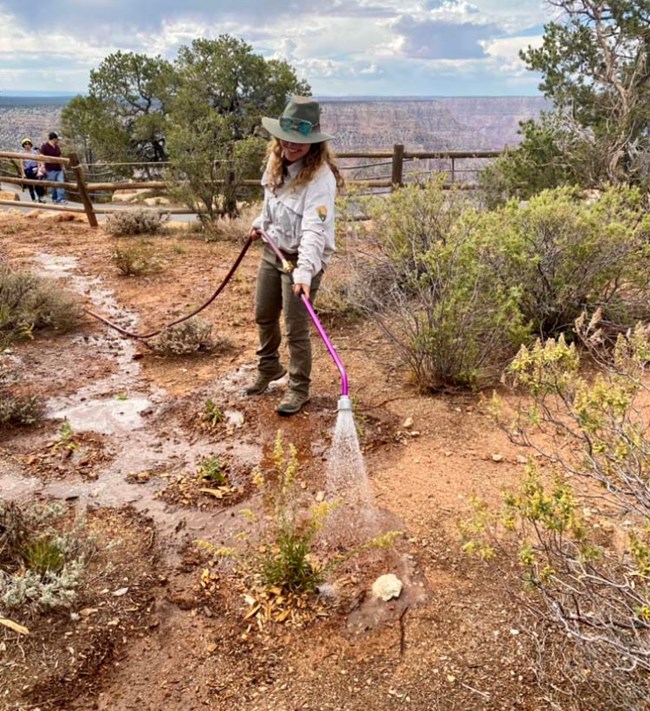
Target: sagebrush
pixel 190 336
pixel 129 222
pixel 457 288
pixel 42 557
pixel 29 303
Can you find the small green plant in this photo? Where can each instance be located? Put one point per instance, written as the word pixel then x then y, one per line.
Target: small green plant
pixel 44 555
pixel 212 415
pixel 135 222
pixel 213 471
pixel 286 558
pixel 66 439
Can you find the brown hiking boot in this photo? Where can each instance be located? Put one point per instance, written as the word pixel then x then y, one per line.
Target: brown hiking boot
pixel 292 403
pixel 263 380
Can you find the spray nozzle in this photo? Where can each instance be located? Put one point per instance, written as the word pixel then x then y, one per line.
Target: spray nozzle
pixel 345 403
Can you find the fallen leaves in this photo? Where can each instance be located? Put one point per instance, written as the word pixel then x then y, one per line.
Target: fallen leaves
pixel 273 605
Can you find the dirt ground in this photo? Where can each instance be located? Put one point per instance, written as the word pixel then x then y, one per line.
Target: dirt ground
pixel 160 628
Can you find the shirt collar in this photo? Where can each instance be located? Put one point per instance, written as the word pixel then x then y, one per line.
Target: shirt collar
pixel 294 168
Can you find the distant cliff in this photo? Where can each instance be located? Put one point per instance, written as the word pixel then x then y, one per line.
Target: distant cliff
pixel 28 117
pixel 421 124
pixel 448 123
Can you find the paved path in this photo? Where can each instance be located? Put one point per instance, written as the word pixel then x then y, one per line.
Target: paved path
pixel 24 202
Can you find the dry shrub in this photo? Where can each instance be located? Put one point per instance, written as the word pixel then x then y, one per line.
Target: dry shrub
pixel 125 223
pixel 134 259
pixel 184 338
pixel 16 410
pixel 231 229
pixel 29 303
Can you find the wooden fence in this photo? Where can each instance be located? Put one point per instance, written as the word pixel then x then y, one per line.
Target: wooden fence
pixel 396 159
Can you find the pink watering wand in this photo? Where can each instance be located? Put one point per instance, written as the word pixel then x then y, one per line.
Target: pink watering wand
pixel 345 403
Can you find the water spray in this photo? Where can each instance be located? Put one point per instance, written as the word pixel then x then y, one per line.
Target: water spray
pixel 345 402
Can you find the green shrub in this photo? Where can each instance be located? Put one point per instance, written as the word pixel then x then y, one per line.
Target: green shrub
pixel 579 521
pixel 549 156
pixel 123 223
pixel 29 303
pixel 457 289
pixel 433 294
pixel 565 254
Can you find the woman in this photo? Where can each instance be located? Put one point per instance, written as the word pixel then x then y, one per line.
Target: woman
pixel 29 170
pixel 300 184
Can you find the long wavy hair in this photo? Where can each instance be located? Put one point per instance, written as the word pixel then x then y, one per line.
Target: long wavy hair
pixel 319 153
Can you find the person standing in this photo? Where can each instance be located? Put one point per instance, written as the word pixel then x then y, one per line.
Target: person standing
pixel 300 185
pixel 29 170
pixel 54 169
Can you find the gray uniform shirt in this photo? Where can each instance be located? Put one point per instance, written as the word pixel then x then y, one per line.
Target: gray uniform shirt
pixel 300 219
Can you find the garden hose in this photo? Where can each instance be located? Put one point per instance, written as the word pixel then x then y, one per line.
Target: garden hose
pixel 144 336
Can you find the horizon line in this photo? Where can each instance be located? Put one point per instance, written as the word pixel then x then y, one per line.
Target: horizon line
pixel 4 94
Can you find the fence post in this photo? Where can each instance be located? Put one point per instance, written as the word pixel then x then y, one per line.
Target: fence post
pixel 397 173
pixel 88 206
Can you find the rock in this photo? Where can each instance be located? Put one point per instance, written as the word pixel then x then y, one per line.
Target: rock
pixel 387 587
pixel 8 195
pixel 497 457
pixel 408 423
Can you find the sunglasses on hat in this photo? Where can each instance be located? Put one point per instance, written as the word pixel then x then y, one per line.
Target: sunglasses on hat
pixel 288 123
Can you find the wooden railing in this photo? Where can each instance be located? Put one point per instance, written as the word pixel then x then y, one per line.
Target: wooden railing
pixel 72 161
pixel 395 159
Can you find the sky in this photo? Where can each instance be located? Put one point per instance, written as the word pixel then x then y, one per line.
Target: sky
pixel 340 47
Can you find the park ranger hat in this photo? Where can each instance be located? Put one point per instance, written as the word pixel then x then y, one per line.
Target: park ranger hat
pixel 298 123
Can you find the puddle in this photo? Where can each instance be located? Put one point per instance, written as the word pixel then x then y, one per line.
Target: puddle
pixel 94 408
pixel 97 407
pixel 103 416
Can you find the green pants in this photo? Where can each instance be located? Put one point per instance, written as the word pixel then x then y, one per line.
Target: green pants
pixel 274 294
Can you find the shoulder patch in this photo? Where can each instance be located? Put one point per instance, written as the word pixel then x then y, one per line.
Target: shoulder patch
pixel 322 213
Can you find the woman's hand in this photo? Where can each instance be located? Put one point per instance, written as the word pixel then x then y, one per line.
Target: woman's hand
pixel 254 234
pixel 301 288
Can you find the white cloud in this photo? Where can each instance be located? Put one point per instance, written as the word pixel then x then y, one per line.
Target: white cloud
pixel 506 52
pixel 394 47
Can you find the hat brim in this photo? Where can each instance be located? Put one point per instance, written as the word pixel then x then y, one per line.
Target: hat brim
pixel 273 127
